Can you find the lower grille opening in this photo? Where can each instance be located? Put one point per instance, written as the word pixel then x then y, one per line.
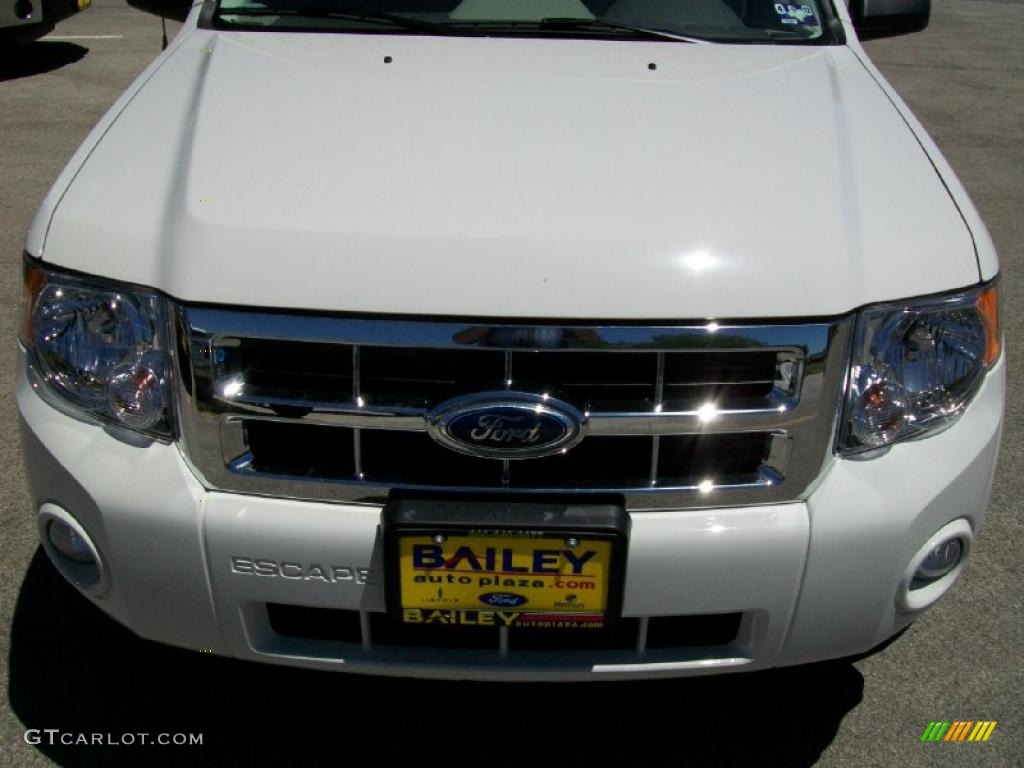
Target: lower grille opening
pixel 315 623
pixel 711 629
pixel 344 626
pixel 399 458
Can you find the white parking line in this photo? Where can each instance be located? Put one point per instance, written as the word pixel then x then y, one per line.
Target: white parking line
pixel 83 37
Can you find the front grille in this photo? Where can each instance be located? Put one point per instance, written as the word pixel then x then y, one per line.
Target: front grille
pixel 659 632
pixel 413 458
pixel 336 408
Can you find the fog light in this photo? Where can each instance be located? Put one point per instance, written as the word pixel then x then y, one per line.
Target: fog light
pixel 67 541
pixel 71 550
pixel 940 561
pixel 934 568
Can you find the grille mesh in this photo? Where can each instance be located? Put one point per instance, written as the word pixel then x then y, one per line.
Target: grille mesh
pixel 419 377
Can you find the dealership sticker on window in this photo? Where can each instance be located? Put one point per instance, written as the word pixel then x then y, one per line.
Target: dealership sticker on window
pixel 796 14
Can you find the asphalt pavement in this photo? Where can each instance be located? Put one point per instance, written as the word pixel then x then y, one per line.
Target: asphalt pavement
pixel 71 668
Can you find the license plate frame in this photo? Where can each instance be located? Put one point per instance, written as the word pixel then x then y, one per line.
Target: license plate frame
pixel 606 525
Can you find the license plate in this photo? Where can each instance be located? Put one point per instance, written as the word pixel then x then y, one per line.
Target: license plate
pixel 453 564
pixel 504 581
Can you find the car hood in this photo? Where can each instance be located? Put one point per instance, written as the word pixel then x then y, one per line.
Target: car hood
pixel 510 178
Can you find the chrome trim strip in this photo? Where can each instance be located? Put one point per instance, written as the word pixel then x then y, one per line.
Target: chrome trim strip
pixel 417 423
pixel 733 491
pixel 599 423
pixel 694 422
pixel 811 338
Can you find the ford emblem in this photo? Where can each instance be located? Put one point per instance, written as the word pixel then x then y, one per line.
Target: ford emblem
pixel 506 425
pixel 503 599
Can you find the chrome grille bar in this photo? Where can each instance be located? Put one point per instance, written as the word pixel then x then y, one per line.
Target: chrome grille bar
pixel 506 464
pixel 601 423
pixel 231 323
pixel 357 433
pixel 659 397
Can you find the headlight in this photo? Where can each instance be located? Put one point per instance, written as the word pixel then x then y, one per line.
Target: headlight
pixel 916 365
pixel 99 347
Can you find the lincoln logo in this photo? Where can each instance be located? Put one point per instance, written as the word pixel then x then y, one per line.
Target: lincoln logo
pixel 507 425
pixel 497 429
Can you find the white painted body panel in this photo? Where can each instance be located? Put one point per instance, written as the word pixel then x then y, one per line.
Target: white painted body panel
pixel 988 259
pixel 815 579
pixel 512 178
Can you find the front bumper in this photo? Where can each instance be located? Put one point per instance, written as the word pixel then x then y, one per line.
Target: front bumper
pixel 812 580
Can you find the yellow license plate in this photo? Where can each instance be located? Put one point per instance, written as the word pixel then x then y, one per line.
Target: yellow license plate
pixel 543 581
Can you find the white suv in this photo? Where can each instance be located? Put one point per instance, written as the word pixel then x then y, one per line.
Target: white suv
pixel 494 339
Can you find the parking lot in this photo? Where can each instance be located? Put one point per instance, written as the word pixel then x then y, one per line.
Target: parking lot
pixel 71 668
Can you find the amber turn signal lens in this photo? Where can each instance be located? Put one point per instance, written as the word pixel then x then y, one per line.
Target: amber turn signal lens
pixel 988 308
pixel 32 285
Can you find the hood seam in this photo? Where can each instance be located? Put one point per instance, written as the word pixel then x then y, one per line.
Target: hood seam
pixel 956 204
pixel 99 139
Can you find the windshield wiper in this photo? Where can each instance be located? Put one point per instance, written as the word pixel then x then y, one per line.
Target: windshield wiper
pixel 328 12
pixel 595 26
pixel 600 25
pixel 553 24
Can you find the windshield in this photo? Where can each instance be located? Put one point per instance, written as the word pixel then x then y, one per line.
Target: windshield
pixel 743 21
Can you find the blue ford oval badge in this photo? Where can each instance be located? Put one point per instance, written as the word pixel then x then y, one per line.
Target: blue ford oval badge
pixel 503 599
pixel 506 425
